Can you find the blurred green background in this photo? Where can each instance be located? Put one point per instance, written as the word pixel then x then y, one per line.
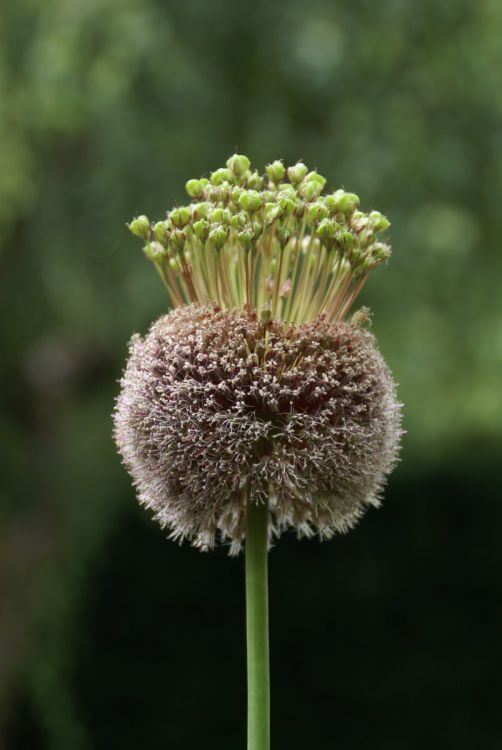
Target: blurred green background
pixel 111 636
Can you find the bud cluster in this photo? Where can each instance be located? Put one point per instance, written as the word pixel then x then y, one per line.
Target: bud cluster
pixel 275 239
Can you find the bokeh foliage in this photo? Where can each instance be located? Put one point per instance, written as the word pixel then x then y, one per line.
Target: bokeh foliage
pixel 106 109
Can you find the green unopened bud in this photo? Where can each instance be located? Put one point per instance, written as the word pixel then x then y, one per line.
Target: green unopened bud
pixel 250 200
pixel 344 240
pixel 271 213
pixel 216 194
pixel 236 194
pixel 287 205
pixel 286 190
pixel 379 222
pixel 297 172
pixel 358 221
pixel 254 181
pixel 381 252
pixel 257 229
pixel 180 216
pixel 218 236
pixel 239 164
pixel 246 237
pixel 317 212
pixel 348 202
pixel 201 229
pixel 154 251
pixel 194 188
pixel 221 215
pixel 201 210
pixel 316 177
pixel 239 220
pixel 222 175
pixel 268 196
pixel 177 239
pixel 300 208
pixel 140 226
pixel 161 231
pixel 309 190
pixel 366 238
pixel 275 171
pixel 325 230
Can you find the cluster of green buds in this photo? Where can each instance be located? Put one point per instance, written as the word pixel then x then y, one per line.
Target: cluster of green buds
pixel 266 239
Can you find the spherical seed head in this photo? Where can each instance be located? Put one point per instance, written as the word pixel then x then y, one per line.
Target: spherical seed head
pixel 220 406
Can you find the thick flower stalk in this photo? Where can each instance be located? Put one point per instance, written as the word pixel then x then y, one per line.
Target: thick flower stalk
pixel 256 405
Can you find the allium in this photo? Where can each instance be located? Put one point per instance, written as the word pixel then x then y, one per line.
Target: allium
pixel 256 405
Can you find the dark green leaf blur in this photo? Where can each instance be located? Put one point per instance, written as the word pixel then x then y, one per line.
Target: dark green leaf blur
pixel 110 635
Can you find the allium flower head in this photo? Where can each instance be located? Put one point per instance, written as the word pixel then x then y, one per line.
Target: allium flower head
pixel 255 388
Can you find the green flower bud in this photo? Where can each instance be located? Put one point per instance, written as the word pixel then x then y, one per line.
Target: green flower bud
pixel 201 210
pixel 381 251
pixel 286 190
pixel 379 222
pixel 358 221
pixel 140 226
pixel 236 194
pixel 309 190
pixel 348 202
pixel 194 188
pixel 250 200
pixel 366 238
pixel 221 215
pixel 300 209
pixel 161 231
pixel 297 173
pixel 326 230
pixel 275 171
pixel 272 212
pixel 287 205
pixel 344 240
pixel 316 177
pixel 201 229
pixel 283 235
pixel 268 196
pixel 222 175
pixel 246 237
pixel 239 164
pixel 154 251
pixel 317 212
pixel 180 216
pixel 257 229
pixel 239 220
pixel 177 239
pixel 216 194
pixel 254 181
pixel 218 236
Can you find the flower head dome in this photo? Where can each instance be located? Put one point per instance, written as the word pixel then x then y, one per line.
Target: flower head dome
pixel 255 388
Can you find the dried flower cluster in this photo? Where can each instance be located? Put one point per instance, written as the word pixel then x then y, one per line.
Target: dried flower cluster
pixel 255 388
pixel 220 406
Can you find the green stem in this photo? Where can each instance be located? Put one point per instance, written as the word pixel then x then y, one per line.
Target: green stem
pixel 257 627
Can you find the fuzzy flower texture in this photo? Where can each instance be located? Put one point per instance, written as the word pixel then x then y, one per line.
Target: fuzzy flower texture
pixel 256 388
